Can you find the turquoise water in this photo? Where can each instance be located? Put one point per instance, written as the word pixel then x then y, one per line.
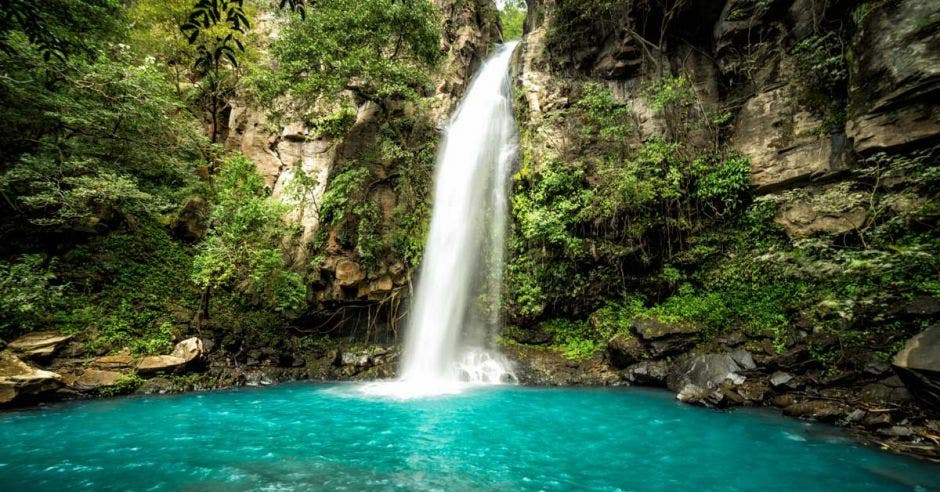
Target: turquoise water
pixel 307 436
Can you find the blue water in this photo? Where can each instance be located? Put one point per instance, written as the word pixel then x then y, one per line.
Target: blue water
pixel 307 436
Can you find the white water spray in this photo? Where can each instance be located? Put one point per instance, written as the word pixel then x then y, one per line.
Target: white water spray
pixel 456 306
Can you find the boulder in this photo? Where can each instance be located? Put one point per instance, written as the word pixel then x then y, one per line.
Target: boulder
pixel 888 390
pixel 662 339
pixel 189 349
pixel 624 350
pixel 183 353
pixel 648 373
pixel 780 378
pixel 700 379
pixel 348 273
pixel 21 382
pixel 830 209
pixel 93 379
pixel 40 344
pixel 160 363
pixel 918 365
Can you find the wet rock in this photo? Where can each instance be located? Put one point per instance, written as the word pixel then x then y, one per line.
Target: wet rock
pixel 40 344
pixel 20 382
pixel 897 431
pixel 783 401
pixel 624 350
pixel 780 378
pixel 918 365
pixel 648 373
pixel 855 416
pixel 662 339
pixel 753 390
pixel 877 419
pixel 744 359
pixel 535 335
pixel 888 390
pixel 157 386
pixel 821 410
pixel 696 378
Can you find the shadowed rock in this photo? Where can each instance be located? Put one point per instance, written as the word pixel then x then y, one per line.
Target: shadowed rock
pixel 918 365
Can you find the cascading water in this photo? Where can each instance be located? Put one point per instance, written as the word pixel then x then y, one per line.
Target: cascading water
pixel 456 305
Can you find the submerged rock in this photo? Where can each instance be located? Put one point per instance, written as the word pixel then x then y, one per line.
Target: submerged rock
pixel 918 365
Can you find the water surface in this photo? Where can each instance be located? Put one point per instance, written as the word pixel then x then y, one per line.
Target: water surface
pixel 308 436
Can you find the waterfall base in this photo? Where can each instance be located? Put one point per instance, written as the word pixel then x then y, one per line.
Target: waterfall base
pixel 477 367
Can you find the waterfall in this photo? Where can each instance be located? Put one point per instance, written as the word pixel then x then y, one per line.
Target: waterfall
pixel 455 311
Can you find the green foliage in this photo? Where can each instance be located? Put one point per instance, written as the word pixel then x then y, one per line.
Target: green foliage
pixel 76 159
pixel 723 181
pixel 574 339
pixel 121 287
pixel 28 295
pixel 125 384
pixel 242 250
pixel 670 91
pixel 57 28
pixel 822 68
pixel 216 28
pixel 603 116
pixel 511 18
pixel 376 48
pixel 548 209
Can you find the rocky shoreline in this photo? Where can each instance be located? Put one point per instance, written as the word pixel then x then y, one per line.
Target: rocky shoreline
pixel 873 403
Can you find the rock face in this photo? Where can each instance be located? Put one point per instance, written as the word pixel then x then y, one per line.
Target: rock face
pixel 781 141
pixel 19 382
pixel 918 365
pixel 894 83
pixel 624 350
pixel 662 338
pixel 40 344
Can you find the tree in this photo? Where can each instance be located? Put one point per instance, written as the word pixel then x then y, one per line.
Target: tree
pixel 57 28
pixel 96 139
pixel 243 251
pixel 374 48
pixel 511 18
